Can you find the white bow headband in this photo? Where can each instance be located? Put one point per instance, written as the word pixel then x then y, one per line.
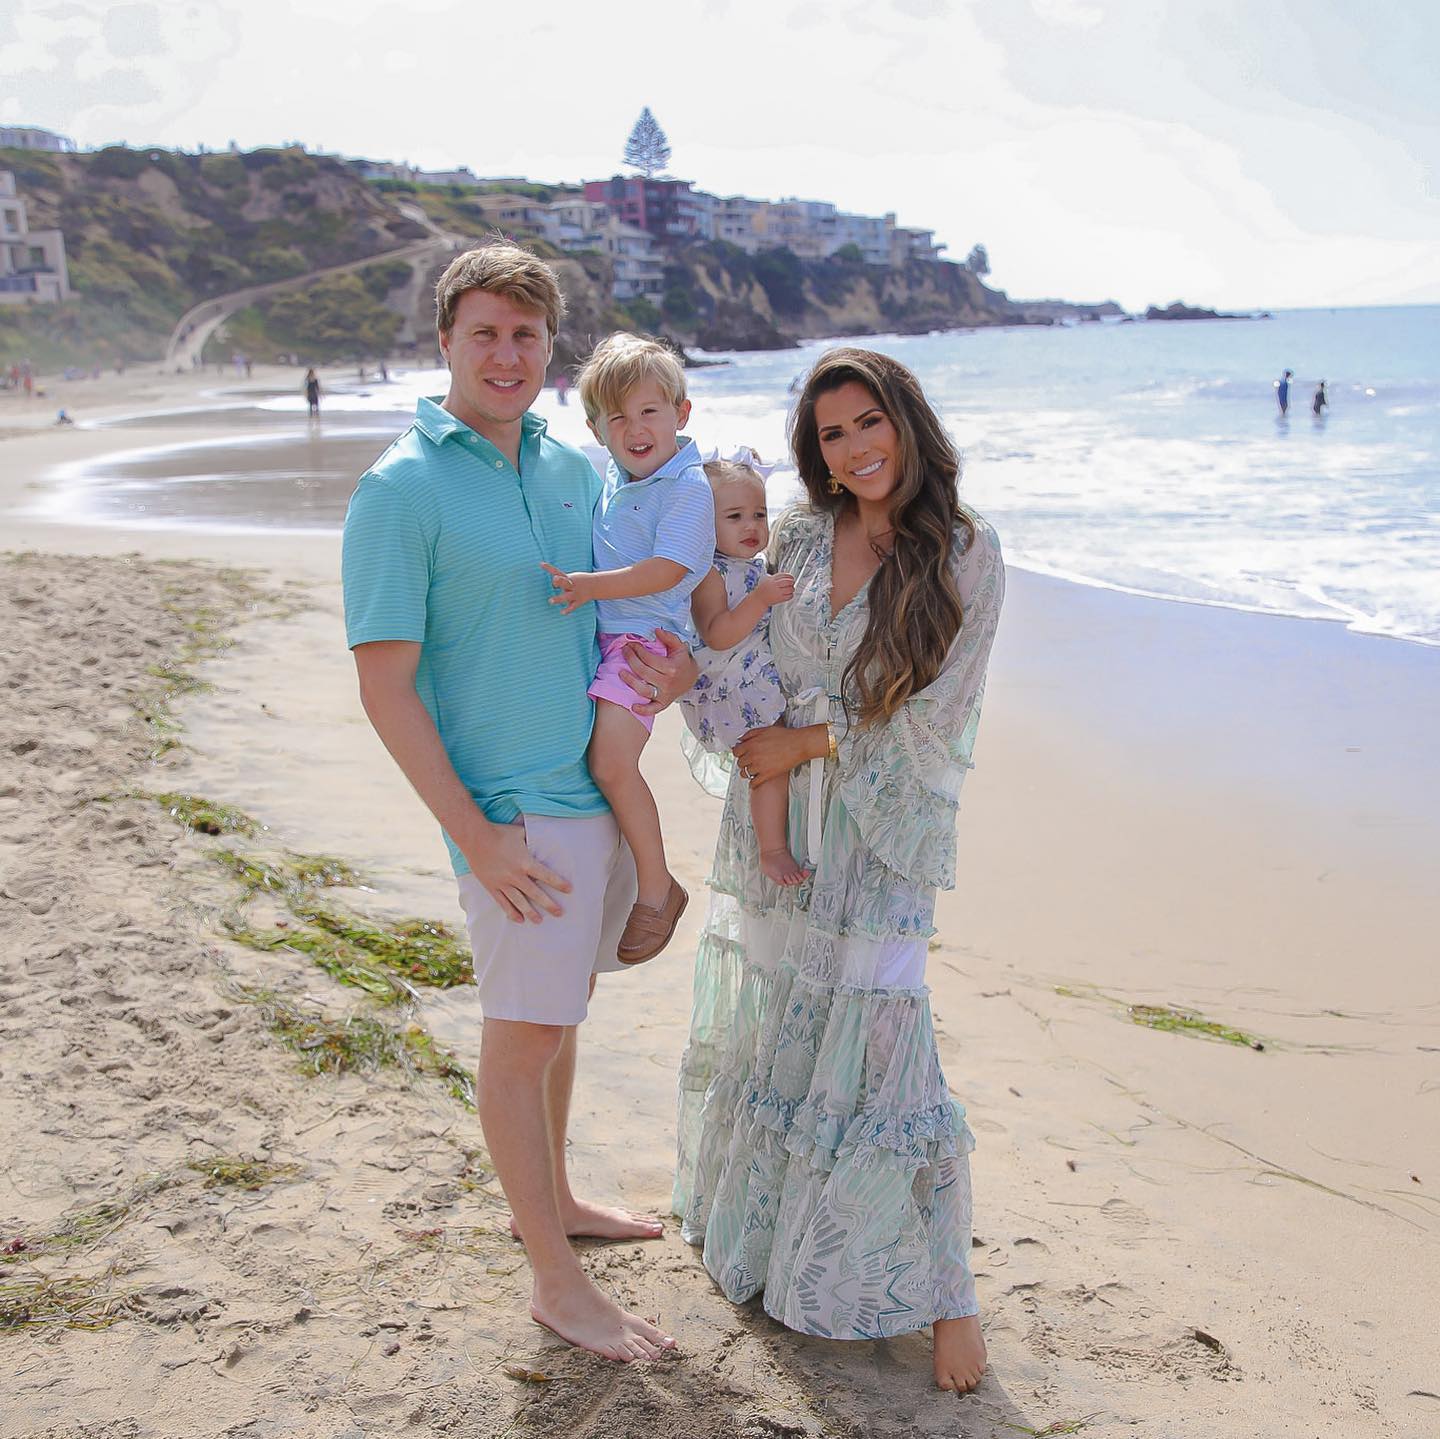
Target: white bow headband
pixel 744 455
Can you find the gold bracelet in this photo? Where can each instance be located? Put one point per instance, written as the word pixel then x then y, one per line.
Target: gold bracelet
pixel 833 750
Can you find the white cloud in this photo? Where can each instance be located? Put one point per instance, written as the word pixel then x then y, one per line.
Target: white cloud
pixel 911 106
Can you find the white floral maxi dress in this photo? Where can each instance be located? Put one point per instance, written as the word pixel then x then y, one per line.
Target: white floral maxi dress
pixel 821 1157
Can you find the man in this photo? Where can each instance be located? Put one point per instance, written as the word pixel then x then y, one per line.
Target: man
pixel 1282 393
pixel 477 688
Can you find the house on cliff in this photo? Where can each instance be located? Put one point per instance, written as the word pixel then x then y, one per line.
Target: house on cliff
pixel 32 137
pixel 32 262
pixel 675 213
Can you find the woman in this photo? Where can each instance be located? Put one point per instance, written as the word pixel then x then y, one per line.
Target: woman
pixel 821 1156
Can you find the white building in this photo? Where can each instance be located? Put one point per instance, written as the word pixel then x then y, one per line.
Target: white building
pixel 577 224
pixel 639 268
pixel 867 233
pixel 813 230
pixel 735 219
pixel 31 137
pixel 32 262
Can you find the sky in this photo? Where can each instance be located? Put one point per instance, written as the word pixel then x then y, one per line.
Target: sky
pixel 1235 154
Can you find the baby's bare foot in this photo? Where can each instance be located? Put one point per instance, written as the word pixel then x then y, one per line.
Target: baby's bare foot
pixel 584 1220
pixel 781 867
pixel 959 1353
pixel 581 1315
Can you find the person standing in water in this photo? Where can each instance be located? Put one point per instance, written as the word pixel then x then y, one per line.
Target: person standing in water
pixel 312 392
pixel 1282 393
pixel 1320 402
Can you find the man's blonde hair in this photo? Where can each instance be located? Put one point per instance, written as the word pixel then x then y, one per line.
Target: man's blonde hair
pixel 500 269
pixel 619 363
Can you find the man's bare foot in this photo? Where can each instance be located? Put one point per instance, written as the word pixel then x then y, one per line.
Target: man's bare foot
pixel 584 1220
pixel 781 867
pixel 959 1353
pixel 581 1315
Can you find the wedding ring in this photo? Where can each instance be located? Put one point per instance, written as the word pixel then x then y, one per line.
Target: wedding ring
pixel 654 691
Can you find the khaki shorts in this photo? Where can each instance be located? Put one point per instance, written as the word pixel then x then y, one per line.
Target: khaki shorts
pixel 540 973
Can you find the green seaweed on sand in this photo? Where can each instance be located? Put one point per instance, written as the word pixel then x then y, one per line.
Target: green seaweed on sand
pixel 358 1042
pixel 198 813
pixel 432 1059
pixel 89 1223
pixel 235 1171
pixel 69 1301
pixel 176 683
pixel 1183 1021
pixel 1054 1429
pixel 1169 1018
pixel 469 1239
pixel 290 876
pixel 325 1045
pixel 377 983
pixel 385 959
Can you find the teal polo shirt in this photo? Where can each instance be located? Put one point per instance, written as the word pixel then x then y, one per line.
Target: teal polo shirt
pixel 443 543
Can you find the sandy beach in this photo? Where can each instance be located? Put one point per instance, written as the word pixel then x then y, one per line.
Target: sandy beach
pixel 1209 813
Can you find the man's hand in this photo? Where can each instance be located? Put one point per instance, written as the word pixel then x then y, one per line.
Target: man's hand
pixel 660 679
pixel 775 589
pixel 574 589
pixel 501 860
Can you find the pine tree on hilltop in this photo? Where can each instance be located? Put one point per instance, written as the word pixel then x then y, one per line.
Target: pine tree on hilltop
pixel 647 148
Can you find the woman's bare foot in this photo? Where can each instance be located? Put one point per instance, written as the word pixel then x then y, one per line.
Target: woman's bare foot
pixel 581 1315
pixel 959 1353
pixel 781 867
pixel 583 1220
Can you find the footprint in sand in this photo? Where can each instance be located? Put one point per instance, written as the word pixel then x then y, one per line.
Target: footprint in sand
pixel 1128 1223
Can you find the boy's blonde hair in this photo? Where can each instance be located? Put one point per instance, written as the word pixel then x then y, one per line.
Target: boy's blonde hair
pixel 619 363
pixel 505 270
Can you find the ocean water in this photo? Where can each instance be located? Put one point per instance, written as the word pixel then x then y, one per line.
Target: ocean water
pixel 1147 457
pixel 1150 457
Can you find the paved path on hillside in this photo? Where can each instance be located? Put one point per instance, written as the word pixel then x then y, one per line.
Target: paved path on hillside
pixel 201 321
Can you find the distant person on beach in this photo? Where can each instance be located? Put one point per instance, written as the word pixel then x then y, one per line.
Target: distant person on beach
pixel 654 538
pixel 821 1157
pixel 312 392
pixel 1282 392
pixel 478 690
pixel 562 388
pixel 1321 400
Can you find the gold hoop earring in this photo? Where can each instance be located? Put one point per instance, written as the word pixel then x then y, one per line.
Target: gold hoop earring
pixel 834 486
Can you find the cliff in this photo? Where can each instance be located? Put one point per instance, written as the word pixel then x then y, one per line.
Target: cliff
pixel 150 233
pixel 718 297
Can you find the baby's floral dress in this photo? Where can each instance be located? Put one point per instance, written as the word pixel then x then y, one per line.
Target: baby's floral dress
pixel 821 1156
pixel 739 688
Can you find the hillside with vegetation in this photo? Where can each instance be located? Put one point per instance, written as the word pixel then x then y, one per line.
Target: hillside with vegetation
pixel 150 233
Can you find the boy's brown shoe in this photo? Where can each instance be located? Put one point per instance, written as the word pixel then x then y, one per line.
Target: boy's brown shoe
pixel 648 930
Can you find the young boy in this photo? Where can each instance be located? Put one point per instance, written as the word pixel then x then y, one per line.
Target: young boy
pixel 654 540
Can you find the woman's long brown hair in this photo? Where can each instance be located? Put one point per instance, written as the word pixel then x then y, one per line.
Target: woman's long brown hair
pixel 915 609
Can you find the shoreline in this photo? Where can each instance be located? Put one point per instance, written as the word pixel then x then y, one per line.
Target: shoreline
pixel 349 425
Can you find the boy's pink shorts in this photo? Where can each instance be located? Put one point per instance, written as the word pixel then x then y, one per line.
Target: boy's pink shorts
pixel 608 685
